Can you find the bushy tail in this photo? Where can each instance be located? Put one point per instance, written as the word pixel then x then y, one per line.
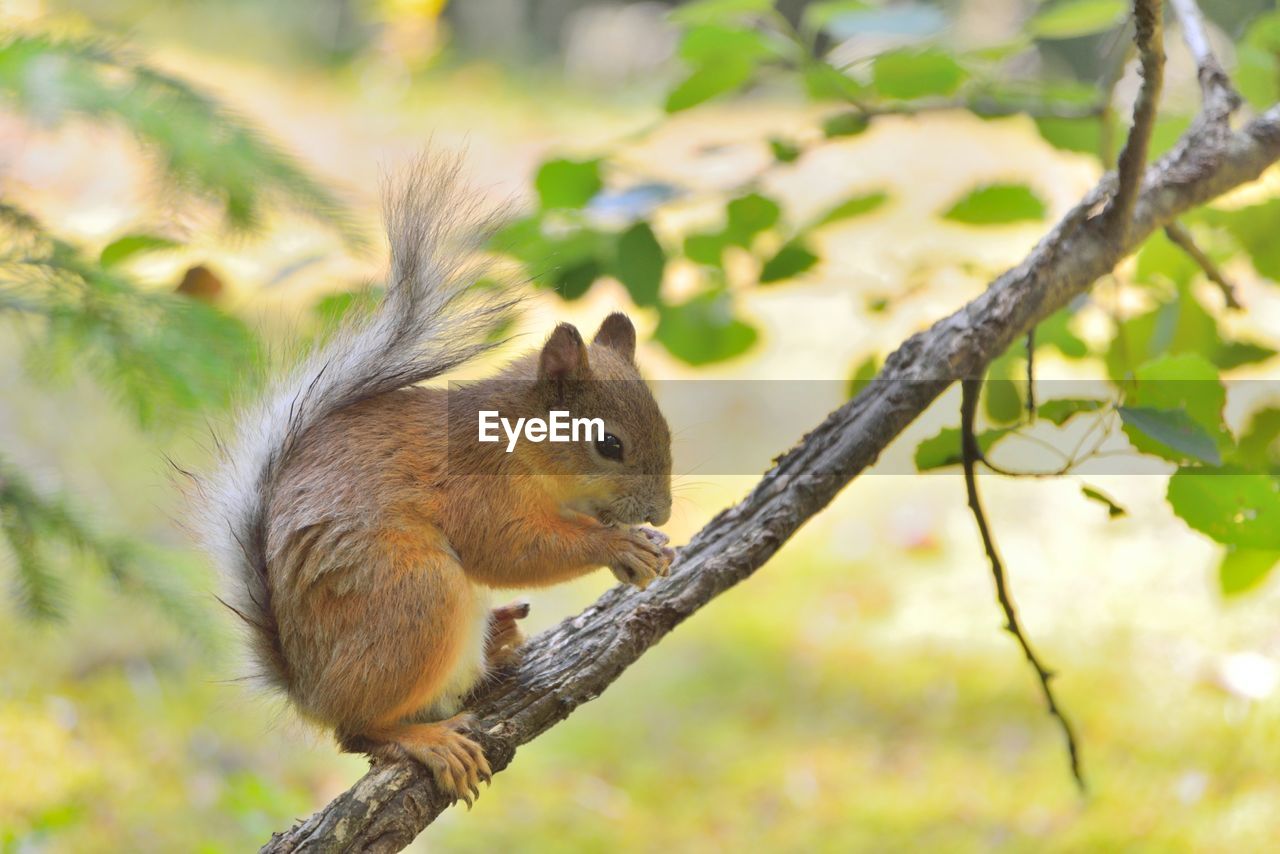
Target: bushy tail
pixel 429 321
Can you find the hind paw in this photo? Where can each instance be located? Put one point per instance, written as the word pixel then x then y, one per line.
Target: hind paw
pixel 457 762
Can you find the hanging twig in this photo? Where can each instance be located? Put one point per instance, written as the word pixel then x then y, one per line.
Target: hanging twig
pixel 1031 374
pixel 1184 241
pixel 970 455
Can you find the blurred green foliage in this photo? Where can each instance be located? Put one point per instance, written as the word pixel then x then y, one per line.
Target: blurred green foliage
pixel 1165 362
pixel 200 145
pixel 165 355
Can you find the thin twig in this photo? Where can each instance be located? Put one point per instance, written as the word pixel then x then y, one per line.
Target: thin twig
pixel 1148 25
pixel 971 453
pixel 1184 241
pixel 1220 97
pixel 1031 374
pixel 982 106
pixel 1070 461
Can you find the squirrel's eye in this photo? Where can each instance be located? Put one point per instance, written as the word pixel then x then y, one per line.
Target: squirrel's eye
pixel 610 447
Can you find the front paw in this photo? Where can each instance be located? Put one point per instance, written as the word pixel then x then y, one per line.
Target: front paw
pixel 641 556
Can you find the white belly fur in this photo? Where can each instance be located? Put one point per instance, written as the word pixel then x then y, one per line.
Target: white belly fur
pixel 470 667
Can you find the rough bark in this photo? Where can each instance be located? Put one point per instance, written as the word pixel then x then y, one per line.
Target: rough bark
pixel 575 661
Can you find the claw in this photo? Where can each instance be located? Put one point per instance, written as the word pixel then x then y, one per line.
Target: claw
pixel 655 536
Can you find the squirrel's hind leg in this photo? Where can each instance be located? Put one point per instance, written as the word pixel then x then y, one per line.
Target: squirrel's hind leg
pixel 502 647
pixel 455 760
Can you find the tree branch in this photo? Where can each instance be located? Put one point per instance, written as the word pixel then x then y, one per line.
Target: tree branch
pixel 1220 98
pixel 1219 101
pixel 1147 21
pixel 970 456
pixel 575 661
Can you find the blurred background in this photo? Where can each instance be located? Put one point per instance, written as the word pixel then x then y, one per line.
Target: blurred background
pixel 777 193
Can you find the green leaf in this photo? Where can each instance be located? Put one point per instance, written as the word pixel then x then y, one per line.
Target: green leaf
pixel 822 82
pixel 1003 400
pixel 703 45
pixel 1062 410
pixel 640 263
pixel 1160 259
pixel 790 261
pixel 854 206
pixel 331 309
pixel 1001 51
pixel 1180 327
pixel 706 248
pixel 123 248
pixel 1076 18
pixel 845 124
pixel 522 239
pixel 572 281
pixel 997 204
pixel 749 215
pixel 1114 510
pixel 944 449
pixel 910 73
pixel 704 330
pixel 1172 428
pixel 1257 71
pixel 1254 228
pixel 783 150
pixel 1001 395
pixel 1264 33
pixel 1241 570
pixel 746 216
pixel 1259 445
pixel 819 14
pixel 1233 354
pixel 566 261
pixel 719 11
pixel 1055 331
pixel 1188 384
pixel 564 183
pixel 1229 506
pixel 1257 75
pixel 863 375
pixel 726 74
pixel 1083 135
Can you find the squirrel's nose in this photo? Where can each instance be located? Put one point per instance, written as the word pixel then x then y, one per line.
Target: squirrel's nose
pixel 659 516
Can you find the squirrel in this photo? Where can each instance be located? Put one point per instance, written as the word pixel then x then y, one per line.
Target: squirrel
pixel 361 524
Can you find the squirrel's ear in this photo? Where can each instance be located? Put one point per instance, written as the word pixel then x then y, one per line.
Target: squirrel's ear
pixel 564 356
pixel 618 335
